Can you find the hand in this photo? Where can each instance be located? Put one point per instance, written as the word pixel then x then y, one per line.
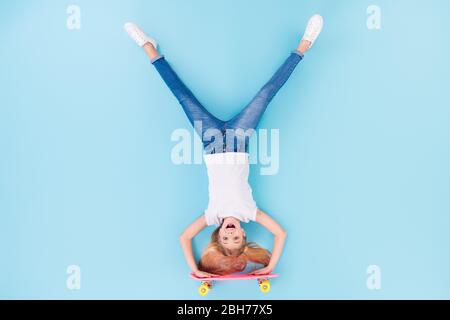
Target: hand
pixel 265 270
pixel 202 274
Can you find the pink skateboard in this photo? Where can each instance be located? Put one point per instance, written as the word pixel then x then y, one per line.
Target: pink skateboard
pixel 206 283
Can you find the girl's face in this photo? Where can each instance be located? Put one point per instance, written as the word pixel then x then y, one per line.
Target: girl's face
pixel 231 235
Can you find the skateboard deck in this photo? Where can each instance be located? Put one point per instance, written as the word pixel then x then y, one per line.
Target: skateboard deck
pixel 235 277
pixel 207 283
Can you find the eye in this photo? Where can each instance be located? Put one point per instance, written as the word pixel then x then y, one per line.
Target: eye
pixel 225 238
pixel 236 238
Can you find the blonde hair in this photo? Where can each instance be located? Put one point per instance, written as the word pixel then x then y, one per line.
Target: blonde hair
pixel 218 260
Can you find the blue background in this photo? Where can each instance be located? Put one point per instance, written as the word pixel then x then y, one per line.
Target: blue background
pixel 85 122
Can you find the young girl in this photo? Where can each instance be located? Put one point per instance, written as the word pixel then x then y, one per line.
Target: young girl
pixel 226 158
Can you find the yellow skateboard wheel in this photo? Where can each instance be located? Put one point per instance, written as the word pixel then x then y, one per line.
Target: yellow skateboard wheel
pixel 203 289
pixel 264 285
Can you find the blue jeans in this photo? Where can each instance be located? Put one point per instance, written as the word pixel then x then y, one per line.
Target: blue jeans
pixel 232 135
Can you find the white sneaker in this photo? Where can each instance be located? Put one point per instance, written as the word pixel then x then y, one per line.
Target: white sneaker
pixel 313 29
pixel 138 35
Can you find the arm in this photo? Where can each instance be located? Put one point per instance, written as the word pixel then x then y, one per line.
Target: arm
pixel 279 236
pixel 186 243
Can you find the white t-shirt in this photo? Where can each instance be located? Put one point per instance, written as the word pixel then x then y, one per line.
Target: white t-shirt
pixel 230 195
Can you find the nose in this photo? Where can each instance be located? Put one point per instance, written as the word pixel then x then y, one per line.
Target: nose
pixel 229 231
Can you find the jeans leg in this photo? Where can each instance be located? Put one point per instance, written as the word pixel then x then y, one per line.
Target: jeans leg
pixel 247 120
pixel 198 116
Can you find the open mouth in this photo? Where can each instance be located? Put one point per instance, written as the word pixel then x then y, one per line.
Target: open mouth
pixel 230 226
